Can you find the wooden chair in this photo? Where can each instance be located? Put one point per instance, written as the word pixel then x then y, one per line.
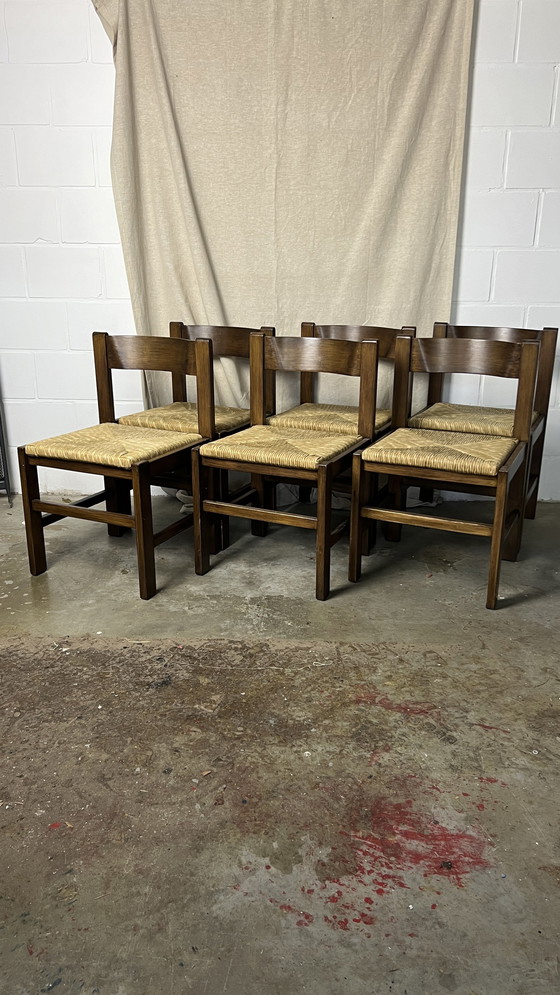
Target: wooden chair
pixel 474 463
pixel 443 416
pixel 338 418
pixel 181 414
pixel 274 454
pixel 127 456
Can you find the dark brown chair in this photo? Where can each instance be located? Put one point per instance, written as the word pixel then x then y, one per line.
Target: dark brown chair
pixel 127 456
pixel 181 414
pixel 443 416
pixel 340 418
pixel 272 453
pixel 474 463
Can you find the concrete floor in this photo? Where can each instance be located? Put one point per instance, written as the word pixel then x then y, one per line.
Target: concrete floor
pixel 234 788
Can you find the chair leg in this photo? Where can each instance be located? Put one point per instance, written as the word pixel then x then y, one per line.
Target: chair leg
pixel 323 536
pixel 117 498
pixel 534 474
pixel 397 492
pixel 515 503
pixel 145 549
pixel 267 499
pixel 34 530
pixel 498 525
pixel 369 532
pixel 356 520
pixel 202 527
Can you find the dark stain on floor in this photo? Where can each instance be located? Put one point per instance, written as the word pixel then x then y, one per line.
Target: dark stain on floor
pixel 276 817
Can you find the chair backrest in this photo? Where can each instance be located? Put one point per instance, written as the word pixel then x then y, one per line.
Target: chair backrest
pixel 315 355
pixel 518 360
pixel 228 341
pixel 146 352
pixel 546 336
pixel 385 337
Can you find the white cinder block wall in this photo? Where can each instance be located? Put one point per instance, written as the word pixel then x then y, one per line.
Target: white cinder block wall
pixel 61 267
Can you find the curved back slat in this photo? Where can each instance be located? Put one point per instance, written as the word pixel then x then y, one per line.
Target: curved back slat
pixel 501 333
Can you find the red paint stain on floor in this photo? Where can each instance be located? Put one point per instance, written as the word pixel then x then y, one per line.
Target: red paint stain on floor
pixel 401 839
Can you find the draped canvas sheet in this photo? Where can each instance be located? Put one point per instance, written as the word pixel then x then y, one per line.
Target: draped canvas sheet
pixel 284 160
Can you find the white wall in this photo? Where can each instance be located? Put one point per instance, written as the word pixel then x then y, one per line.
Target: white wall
pixel 61 268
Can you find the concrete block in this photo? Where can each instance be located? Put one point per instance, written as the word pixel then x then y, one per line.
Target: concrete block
pixel 24 95
pixel 33 325
pixel 499 218
pixel 494 315
pixel 116 284
pixel 549 234
pixel 552 439
pixel 65 376
pixel 63 482
pixel 47 32
pixel 527 276
pixel 30 421
pixel 88 215
pixel 544 316
pixel 55 157
pixel 511 95
pixel 534 159
pixel 462 388
pixel 28 215
pixel 549 485
pixel 17 375
pixel 63 272
pixel 8 161
pixel 473 273
pixel 498 392
pixel 86 317
pixel 83 95
pixel 485 158
pixel 12 272
pixel 495 31
pixel 101 48
pixel 539 31
pixel 102 147
pixel 4 53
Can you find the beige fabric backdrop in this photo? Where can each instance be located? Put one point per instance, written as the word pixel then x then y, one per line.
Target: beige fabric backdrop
pixel 284 160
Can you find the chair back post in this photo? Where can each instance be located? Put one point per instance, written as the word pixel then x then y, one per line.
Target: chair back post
pixel 205 389
pixel 178 381
pixel 368 388
pixel 402 382
pixel 307 380
pixel 549 337
pixel 528 367
pixel 435 380
pixel 257 378
pixel 269 378
pixel 103 379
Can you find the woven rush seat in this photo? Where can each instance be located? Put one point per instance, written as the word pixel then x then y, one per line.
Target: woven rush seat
pixel 279 447
pixel 445 417
pixel 340 419
pixel 182 416
pixel 111 445
pixel 458 452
